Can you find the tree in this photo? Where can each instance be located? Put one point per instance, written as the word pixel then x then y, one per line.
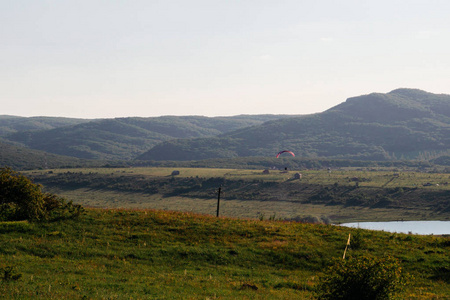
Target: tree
pixel 21 199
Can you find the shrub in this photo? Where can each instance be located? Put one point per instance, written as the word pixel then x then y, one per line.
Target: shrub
pixel 58 208
pixel 9 273
pixel 357 242
pixel 310 219
pixel 21 199
pixel 361 278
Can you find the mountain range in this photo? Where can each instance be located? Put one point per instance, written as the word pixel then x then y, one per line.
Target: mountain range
pixel 115 139
pixel 402 124
pixel 14 124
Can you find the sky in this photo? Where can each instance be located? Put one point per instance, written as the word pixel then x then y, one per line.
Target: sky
pixel 113 58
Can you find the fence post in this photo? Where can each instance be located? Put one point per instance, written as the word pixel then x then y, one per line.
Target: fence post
pixel 218 201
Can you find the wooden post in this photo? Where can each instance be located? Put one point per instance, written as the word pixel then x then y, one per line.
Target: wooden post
pixel 348 244
pixel 218 201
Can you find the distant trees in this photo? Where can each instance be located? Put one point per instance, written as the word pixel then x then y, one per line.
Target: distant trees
pixel 21 199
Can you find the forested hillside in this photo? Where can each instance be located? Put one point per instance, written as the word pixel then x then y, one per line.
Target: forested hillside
pixel 402 124
pixel 21 158
pixel 126 138
pixel 13 124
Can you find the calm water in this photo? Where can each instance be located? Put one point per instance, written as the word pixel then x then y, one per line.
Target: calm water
pixel 416 227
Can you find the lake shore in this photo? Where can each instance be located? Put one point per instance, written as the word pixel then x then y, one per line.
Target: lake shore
pixel 411 227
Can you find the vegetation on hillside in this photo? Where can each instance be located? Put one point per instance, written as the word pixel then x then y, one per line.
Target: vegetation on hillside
pixel 296 163
pixel 362 278
pixel 334 193
pixel 120 254
pixel 21 158
pixel 13 124
pixel 21 199
pixel 403 124
pixel 126 138
pixel 116 253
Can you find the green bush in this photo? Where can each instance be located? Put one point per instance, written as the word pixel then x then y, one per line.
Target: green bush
pixel 21 199
pixel 361 278
pixel 357 241
pixel 9 273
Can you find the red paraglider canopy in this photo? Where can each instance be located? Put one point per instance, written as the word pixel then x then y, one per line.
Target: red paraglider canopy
pixel 290 152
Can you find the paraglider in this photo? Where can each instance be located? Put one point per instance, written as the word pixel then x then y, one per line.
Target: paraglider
pixel 290 152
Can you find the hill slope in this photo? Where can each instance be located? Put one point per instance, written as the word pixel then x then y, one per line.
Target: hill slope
pixel 21 158
pixel 13 124
pixel 403 123
pixel 125 138
pixel 148 254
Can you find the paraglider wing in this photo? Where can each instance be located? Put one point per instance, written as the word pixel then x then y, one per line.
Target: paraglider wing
pixel 285 151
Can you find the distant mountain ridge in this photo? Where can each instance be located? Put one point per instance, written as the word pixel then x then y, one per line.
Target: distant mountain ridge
pixel 396 106
pixel 12 124
pixel 402 124
pixel 124 138
pixel 21 158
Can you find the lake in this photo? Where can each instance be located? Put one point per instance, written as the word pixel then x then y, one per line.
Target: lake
pixel 415 227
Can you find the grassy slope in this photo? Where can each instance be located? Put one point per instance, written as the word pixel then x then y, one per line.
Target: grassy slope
pixel 118 254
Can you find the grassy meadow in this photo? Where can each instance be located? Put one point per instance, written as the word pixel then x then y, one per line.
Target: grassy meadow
pixel 148 254
pixel 376 177
pixel 252 194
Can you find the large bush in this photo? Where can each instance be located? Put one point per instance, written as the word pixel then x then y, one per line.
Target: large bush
pixel 363 278
pixel 21 199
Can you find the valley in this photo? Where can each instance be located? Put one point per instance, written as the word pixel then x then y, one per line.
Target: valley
pixel 128 205
pixel 336 196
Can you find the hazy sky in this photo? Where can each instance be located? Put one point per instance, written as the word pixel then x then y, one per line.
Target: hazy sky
pixel 109 58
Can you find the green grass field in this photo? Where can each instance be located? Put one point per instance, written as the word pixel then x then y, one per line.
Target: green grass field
pixel 242 196
pixel 145 254
pixel 375 178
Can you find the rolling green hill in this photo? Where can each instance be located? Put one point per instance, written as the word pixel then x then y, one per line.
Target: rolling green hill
pixel 13 124
pixel 402 124
pixel 21 158
pixel 126 138
pixel 145 254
